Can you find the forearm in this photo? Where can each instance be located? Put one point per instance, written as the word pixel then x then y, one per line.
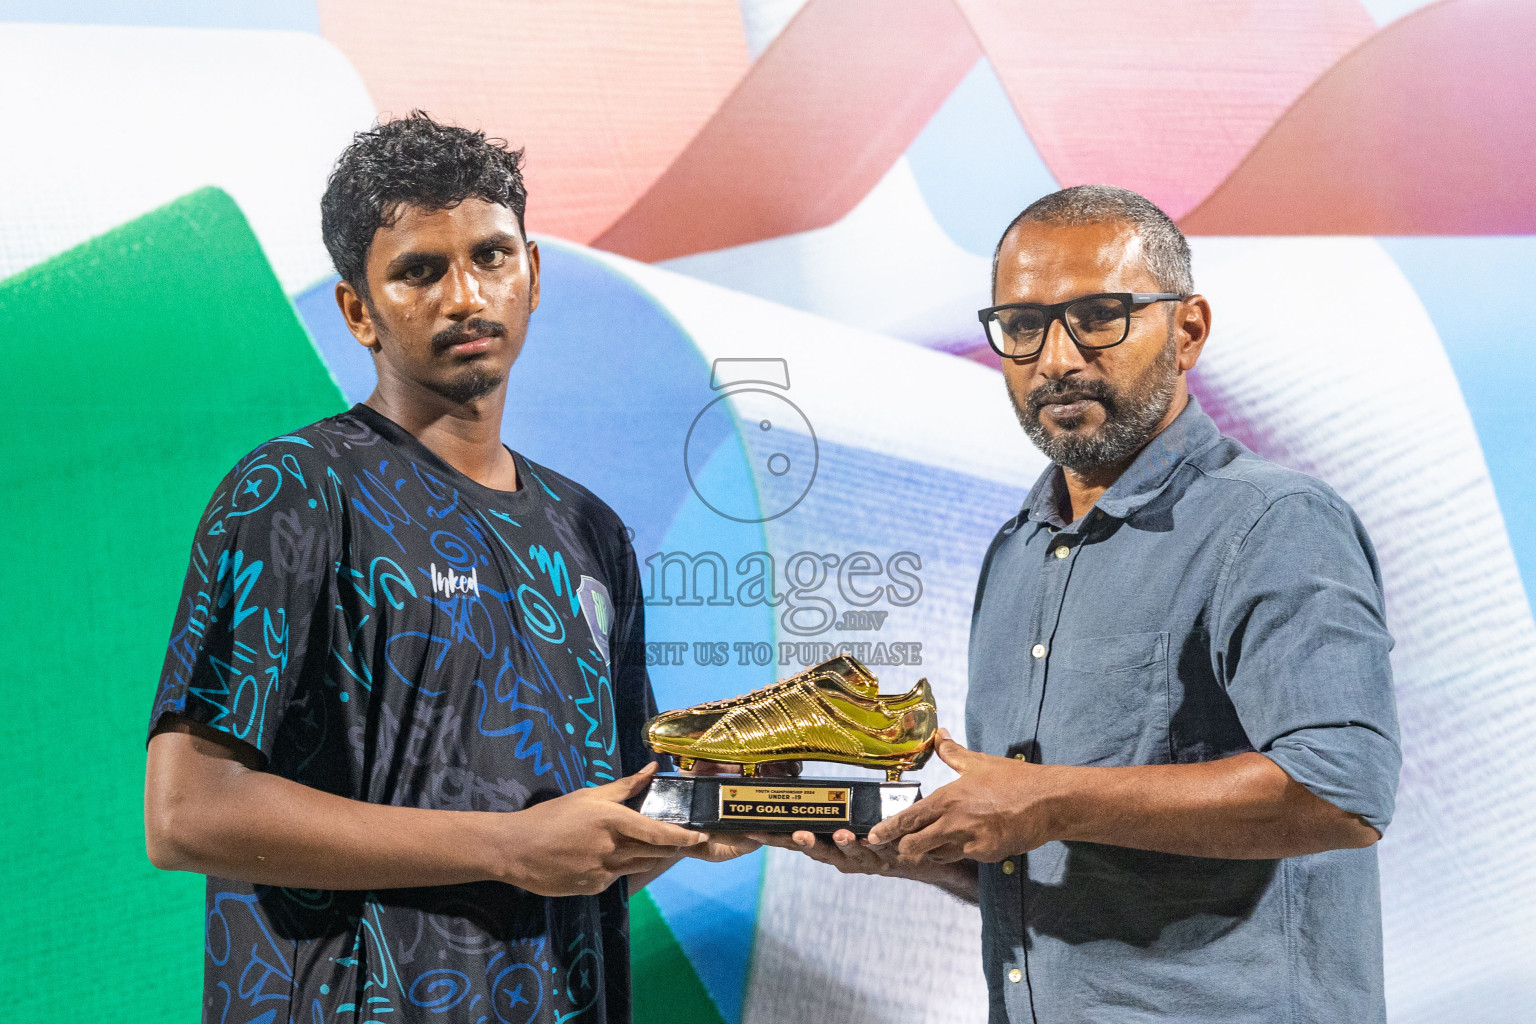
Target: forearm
pixel 207 809
pixel 258 827
pixel 1241 808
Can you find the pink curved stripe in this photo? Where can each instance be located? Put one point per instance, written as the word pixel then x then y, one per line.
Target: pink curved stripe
pixel 1165 98
pixel 823 114
pixel 1430 128
pixel 632 148
pixel 603 93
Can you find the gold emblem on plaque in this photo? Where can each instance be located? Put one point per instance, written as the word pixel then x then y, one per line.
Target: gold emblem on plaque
pixel 832 711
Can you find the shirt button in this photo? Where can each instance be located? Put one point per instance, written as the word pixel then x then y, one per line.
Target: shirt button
pixel 1007 867
pixel 1038 650
pixel 1063 551
pixel 1015 975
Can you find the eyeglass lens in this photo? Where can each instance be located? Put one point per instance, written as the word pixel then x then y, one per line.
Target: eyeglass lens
pixel 1094 322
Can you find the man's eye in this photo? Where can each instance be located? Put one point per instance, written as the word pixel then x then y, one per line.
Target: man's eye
pixel 493 258
pixel 417 272
pixel 1027 322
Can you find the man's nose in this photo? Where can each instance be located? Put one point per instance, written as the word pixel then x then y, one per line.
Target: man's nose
pixel 1059 355
pixel 461 297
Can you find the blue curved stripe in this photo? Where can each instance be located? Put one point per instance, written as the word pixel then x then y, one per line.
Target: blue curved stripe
pixel 1478 293
pixel 975 164
pixel 293 15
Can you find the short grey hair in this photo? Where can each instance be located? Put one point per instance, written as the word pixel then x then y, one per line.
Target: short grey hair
pixel 1163 247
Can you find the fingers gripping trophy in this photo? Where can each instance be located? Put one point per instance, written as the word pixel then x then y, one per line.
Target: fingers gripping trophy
pixel 832 711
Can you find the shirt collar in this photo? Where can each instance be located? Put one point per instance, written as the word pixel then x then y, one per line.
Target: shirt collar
pixel 1144 479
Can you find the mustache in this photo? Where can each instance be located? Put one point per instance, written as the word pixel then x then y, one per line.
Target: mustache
pixel 1054 392
pixel 468 330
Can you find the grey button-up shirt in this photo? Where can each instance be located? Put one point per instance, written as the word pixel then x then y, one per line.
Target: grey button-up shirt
pixel 1212 603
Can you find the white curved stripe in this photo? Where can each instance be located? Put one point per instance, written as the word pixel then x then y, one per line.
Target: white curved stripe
pixel 1323 354
pixel 1384 12
pixel 763 20
pixel 109 122
pixel 887 266
pixel 920 452
pixel 859 387
pixel 1322 358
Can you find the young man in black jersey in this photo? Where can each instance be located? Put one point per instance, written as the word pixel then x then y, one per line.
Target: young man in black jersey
pixel 402 703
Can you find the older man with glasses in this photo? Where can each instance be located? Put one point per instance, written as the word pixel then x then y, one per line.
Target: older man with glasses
pixel 1183 739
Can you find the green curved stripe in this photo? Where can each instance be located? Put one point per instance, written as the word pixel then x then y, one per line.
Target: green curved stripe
pixel 138 367
pixel 667 989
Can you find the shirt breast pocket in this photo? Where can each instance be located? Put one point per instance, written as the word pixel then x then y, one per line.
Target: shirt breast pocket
pixel 1106 701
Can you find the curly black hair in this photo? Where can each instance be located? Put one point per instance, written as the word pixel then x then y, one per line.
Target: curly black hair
pixel 413 161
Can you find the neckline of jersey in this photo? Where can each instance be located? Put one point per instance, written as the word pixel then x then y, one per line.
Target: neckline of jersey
pixel 398 435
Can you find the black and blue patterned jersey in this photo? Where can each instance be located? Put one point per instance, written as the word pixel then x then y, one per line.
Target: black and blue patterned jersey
pixel 381 627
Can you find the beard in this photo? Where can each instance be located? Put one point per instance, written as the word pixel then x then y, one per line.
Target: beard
pixel 1131 414
pixel 472 381
pixel 468 385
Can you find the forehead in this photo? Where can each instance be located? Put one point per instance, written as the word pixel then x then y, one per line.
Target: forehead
pixel 417 229
pixel 1055 262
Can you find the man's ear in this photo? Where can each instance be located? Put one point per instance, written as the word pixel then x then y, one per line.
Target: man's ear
pixel 1192 326
pixel 359 318
pixel 533 275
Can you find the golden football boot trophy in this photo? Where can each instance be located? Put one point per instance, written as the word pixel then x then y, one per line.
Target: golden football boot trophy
pixel 832 711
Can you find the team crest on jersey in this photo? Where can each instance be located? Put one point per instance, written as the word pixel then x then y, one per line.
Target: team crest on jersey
pixel 597 609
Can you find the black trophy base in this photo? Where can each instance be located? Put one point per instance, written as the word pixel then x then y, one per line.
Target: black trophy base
pixel 730 803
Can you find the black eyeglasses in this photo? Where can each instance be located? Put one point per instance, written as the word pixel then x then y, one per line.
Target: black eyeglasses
pixel 1016 330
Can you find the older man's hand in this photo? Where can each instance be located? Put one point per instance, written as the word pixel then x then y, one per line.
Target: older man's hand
pixel 845 851
pixel 992 811
pixel 854 856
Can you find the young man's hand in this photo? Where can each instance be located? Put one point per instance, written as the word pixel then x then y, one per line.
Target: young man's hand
pixel 723 846
pixel 717 847
pixel 582 842
pixel 208 808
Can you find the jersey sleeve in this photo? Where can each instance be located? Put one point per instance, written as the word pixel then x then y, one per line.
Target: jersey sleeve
pixel 253 597
pixel 634 699
pixel 1302 646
